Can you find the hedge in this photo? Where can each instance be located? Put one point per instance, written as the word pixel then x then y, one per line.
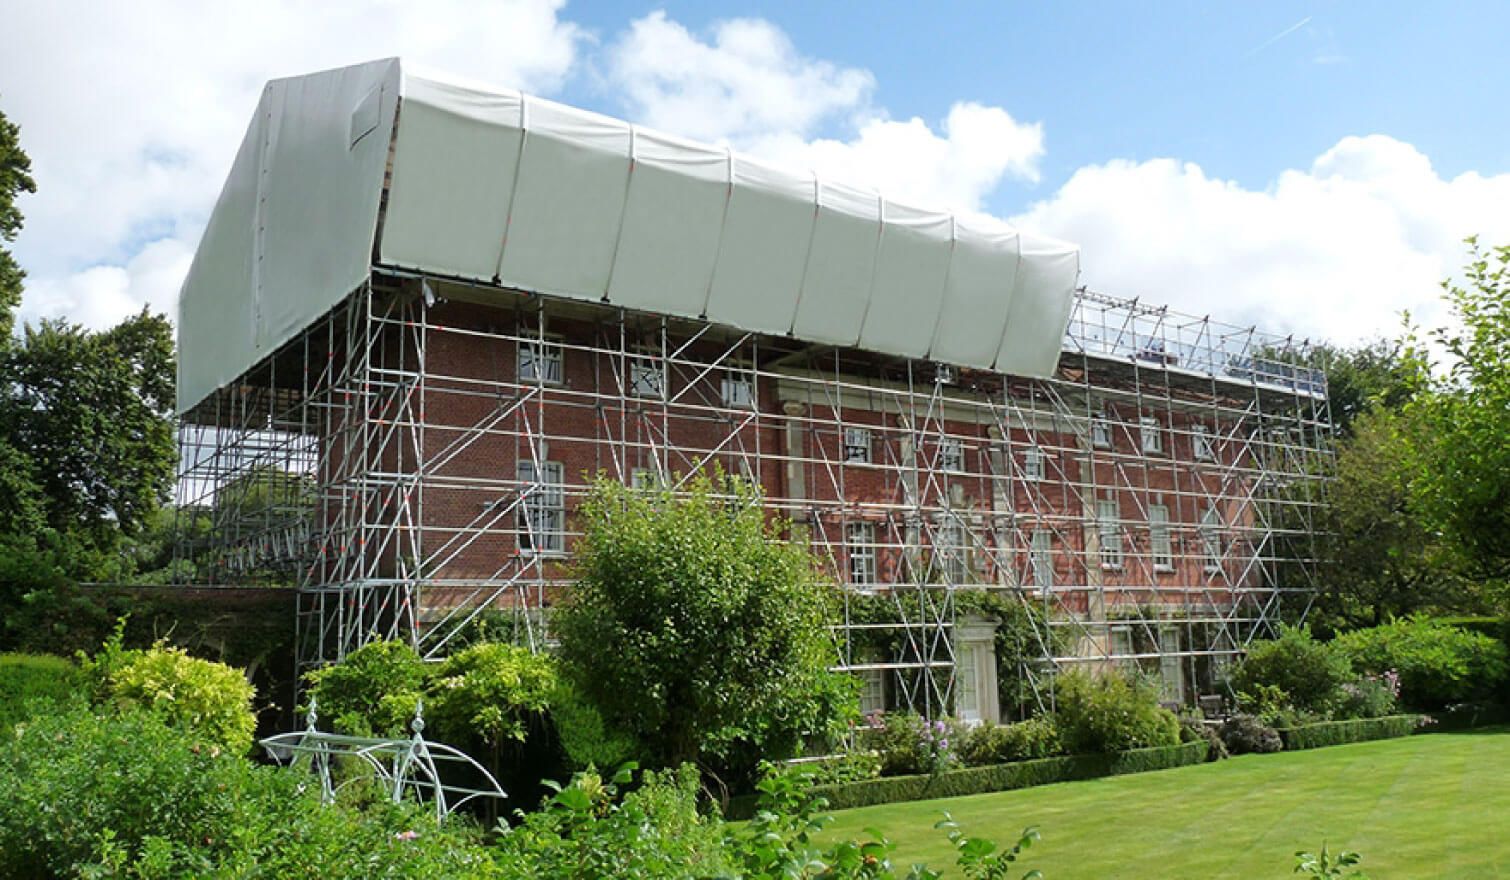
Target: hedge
pixel 28 677
pixel 1003 777
pixel 1336 733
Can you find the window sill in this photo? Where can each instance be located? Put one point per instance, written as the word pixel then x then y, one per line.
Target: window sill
pixel 1163 569
pixel 1111 566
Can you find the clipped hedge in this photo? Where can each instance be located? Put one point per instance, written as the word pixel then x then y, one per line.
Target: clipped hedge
pixel 1003 777
pixel 1336 733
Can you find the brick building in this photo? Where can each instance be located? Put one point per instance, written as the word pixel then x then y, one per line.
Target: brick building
pixel 405 442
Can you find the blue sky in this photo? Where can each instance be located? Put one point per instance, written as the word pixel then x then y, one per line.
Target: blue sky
pixel 1311 167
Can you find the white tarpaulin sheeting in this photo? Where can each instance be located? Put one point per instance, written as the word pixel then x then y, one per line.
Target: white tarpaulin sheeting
pixel 505 188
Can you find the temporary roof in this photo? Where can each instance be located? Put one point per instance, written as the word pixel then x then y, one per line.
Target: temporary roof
pixel 507 189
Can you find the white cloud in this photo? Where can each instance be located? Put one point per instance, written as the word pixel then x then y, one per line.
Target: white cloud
pixel 956 168
pixel 747 83
pixel 1336 251
pixel 748 86
pixel 132 112
pixel 103 295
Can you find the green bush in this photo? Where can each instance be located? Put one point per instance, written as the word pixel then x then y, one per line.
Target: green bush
pixel 373 691
pixel 1311 673
pixel 209 698
pixel 585 740
pixel 1335 733
pixel 1249 735
pixel 1111 712
pixel 1438 664
pixel 125 794
pixel 1193 728
pixel 588 829
pixel 700 628
pixel 1370 696
pixel 489 693
pixel 30 680
pixel 1004 743
pixel 1005 777
pixel 909 743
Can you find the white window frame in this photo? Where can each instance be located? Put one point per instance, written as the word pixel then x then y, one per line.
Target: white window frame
pixel 1034 464
pixel 542 512
pixel 872 691
pixel 549 352
pixel 951 549
pixel 1150 435
pixel 860 547
pixel 1200 443
pixel 1101 430
pixel 647 376
pixel 857 445
pixel 737 389
pixel 1160 545
pixel 1212 549
pixel 1109 527
pixel 1041 558
pixel 951 455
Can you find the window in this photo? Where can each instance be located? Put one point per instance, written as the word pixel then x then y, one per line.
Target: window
pixel 1152 434
pixel 1033 464
pixel 1101 431
pixel 1161 547
pixel 1201 443
pixel 644 478
pixel 860 544
pixel 542 516
pixel 967 684
pixel 872 691
pixel 1211 539
pixel 647 378
pixel 739 390
pixel 951 554
pixel 857 445
pixel 951 456
pixel 1108 516
pixel 540 362
pixel 1041 558
pixel 944 374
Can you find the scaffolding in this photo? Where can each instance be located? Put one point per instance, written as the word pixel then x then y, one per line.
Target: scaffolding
pixel 410 463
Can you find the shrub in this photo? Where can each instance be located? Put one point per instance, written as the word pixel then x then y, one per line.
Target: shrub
pixel 1111 712
pixel 1336 733
pixel 209 698
pixel 373 691
pixel 700 629
pixel 1001 743
pixel 1370 696
pixel 490 693
pixel 1246 734
pixel 585 740
pixel 1311 673
pixel 909 743
pixel 30 680
pixel 1195 729
pixel 852 767
pixel 1006 777
pixel 586 829
pixel 1437 664
pixel 127 795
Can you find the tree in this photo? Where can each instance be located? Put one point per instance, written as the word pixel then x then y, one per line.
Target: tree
pixel 91 413
pixel 15 178
pixel 1463 485
pixel 1381 557
pixel 1375 375
pixel 698 630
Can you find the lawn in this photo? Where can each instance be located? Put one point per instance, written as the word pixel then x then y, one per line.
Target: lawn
pixel 1422 806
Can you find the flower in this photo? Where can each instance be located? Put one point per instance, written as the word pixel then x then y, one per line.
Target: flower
pixel 407 835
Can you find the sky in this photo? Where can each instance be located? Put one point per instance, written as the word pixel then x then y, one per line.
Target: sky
pixel 1308 167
